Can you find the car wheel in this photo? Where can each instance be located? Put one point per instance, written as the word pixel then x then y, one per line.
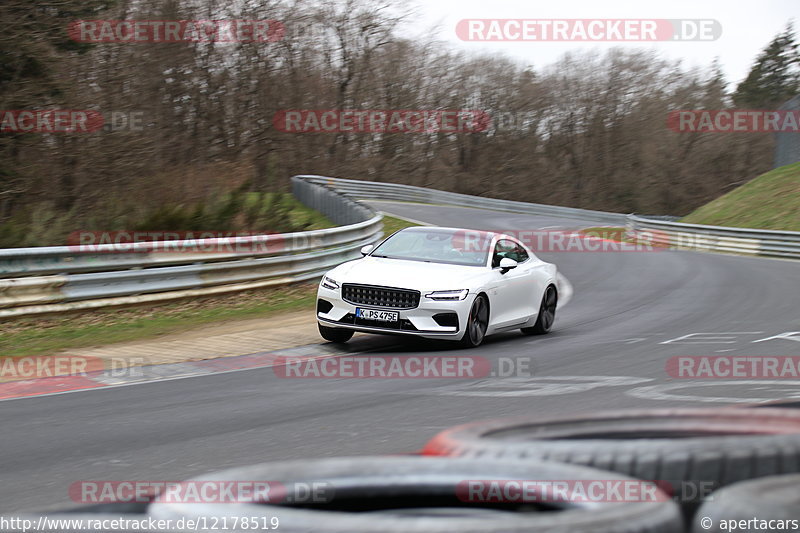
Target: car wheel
pixel 547 313
pixel 477 322
pixel 335 334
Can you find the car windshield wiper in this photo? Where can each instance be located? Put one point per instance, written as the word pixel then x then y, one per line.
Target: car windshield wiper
pixel 398 258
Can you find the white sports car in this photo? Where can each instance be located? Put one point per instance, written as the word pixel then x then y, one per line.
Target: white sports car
pixel 443 283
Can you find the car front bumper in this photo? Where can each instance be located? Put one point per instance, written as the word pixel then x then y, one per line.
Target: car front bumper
pixel 435 319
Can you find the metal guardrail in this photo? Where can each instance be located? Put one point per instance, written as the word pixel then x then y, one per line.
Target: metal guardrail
pixel 82 277
pixel 662 230
pixel 756 242
pixel 409 193
pixel 50 279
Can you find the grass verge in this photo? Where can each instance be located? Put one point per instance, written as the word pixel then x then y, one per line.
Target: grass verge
pixel 771 201
pixel 45 335
pixel 392 224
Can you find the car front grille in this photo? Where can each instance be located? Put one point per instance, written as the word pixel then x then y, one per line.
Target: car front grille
pixel 380 296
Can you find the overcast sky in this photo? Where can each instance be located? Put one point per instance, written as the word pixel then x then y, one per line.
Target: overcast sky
pixel 747 27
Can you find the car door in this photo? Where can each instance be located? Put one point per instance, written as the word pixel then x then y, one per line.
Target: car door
pixel 536 280
pixel 511 292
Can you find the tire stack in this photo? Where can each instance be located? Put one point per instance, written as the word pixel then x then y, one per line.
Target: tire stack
pixel 709 469
pixel 691 453
pixel 423 495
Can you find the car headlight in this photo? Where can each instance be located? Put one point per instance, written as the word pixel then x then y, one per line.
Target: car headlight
pixel 330 284
pixel 448 295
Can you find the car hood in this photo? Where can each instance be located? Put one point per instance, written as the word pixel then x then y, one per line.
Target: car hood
pixel 417 275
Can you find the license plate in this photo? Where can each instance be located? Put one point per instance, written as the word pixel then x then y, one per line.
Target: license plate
pixel 374 314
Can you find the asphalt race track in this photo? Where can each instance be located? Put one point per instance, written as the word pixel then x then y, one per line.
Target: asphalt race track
pixel 630 313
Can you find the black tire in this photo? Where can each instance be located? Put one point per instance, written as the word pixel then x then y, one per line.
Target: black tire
pixel 547 313
pixel 694 451
pixel 426 494
pixel 338 335
pixel 477 323
pixel 769 498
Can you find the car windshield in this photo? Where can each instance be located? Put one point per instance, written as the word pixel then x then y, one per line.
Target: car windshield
pixel 434 245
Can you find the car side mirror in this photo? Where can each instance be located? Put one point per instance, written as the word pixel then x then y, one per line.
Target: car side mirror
pixel 365 250
pixel 507 264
